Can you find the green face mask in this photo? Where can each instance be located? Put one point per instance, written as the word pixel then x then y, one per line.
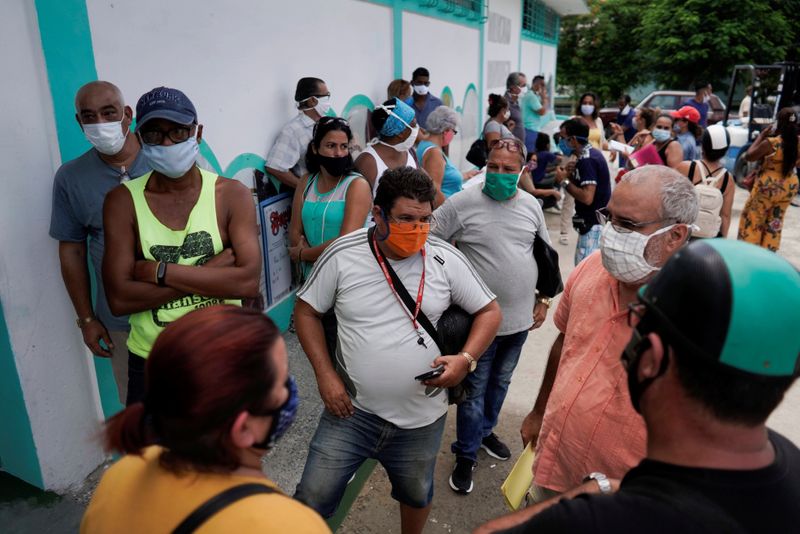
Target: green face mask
pixel 500 186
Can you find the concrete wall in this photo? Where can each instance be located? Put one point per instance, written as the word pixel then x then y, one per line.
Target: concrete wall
pixel 54 369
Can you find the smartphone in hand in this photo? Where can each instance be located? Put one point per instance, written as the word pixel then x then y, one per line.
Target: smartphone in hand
pixel 433 373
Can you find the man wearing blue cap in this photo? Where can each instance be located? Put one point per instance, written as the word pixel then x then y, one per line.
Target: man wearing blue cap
pixel 712 354
pixel 179 238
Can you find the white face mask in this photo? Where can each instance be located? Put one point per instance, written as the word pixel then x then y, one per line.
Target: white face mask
pixel 507 115
pixel 405 145
pixel 523 89
pixel 623 253
pixel 323 105
pixel 587 109
pixel 106 137
pixel 421 89
pixel 172 161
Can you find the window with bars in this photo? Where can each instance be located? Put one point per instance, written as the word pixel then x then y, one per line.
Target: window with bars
pixel 467 10
pixel 539 21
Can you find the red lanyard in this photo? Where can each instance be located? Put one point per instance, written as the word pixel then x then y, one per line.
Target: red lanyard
pixel 420 289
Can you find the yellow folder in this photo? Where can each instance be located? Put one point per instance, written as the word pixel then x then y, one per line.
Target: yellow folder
pixel 519 479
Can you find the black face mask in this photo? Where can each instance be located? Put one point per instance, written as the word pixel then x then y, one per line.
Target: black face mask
pixel 632 355
pixel 336 166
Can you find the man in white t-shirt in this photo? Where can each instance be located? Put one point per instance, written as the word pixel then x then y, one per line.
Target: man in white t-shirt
pixel 374 406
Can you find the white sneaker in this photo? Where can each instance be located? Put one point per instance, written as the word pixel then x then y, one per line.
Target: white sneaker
pixel 563 239
pixel 796 201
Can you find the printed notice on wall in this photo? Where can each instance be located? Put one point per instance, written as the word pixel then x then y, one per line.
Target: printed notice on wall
pixel 274 213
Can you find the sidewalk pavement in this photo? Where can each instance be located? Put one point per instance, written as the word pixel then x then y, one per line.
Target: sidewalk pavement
pixel 374 511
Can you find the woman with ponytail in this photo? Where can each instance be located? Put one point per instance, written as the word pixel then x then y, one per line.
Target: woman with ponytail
pixel 499 112
pixel 218 395
pixel 776 184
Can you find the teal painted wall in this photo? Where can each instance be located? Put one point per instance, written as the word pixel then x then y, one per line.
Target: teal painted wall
pixel 17 448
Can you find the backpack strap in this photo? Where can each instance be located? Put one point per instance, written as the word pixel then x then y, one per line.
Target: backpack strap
pixel 709 177
pixel 216 503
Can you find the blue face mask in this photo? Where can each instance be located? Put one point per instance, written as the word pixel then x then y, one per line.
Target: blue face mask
pixel 172 161
pixel 661 135
pixel 282 418
pixel 564 147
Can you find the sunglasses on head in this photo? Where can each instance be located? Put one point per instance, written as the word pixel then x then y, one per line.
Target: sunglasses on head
pixel 512 145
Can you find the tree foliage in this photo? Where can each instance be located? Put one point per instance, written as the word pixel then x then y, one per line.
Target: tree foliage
pixel 674 43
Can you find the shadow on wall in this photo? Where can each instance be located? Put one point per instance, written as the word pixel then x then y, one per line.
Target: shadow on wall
pixel 357 111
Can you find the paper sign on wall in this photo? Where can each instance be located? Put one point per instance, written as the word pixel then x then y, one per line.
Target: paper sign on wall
pixel 275 213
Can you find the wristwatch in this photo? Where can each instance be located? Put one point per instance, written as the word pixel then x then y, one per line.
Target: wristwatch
pixel 547 301
pixel 83 321
pixel 161 272
pixel 473 363
pixel 602 481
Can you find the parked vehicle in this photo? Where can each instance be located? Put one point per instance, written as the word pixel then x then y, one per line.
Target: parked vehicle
pixel 774 87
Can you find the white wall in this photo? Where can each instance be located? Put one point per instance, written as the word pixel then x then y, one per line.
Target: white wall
pixel 239 61
pixel 503 56
pixel 538 58
pixel 53 365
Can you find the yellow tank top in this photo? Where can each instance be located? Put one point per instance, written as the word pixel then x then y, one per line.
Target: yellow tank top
pixel 197 243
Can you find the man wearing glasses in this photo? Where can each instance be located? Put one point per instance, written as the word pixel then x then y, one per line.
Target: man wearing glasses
pixel 705 373
pixel 179 238
pixel 79 189
pixel 286 160
pixel 495 228
pixel 379 403
pixel 582 420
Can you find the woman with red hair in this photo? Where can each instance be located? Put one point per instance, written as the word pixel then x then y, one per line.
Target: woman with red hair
pixel 218 395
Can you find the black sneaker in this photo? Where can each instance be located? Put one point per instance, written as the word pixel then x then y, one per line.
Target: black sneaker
pixel 461 478
pixel 495 448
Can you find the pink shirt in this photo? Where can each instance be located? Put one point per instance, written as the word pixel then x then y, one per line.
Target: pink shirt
pixel 589 423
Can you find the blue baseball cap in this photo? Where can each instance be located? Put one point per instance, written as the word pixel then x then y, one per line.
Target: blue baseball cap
pixel 165 103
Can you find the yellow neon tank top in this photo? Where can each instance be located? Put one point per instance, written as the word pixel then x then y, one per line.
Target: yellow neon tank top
pixel 197 243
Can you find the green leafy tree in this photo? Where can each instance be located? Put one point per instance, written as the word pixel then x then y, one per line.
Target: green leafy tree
pixel 599 52
pixel 693 40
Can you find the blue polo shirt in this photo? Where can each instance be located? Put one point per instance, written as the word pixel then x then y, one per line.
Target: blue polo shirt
pixel 626 121
pixel 592 169
pixel 431 103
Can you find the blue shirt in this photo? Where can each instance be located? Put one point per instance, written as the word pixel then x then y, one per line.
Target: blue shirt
pixel 452 181
pixel 701 108
pixel 592 169
pixel 626 121
pixel 431 103
pixel 79 190
pixel 689 146
pixel 543 159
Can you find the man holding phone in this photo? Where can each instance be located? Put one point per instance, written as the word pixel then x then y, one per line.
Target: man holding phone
pixel 374 407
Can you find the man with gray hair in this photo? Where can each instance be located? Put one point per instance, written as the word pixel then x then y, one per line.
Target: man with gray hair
pixel 583 418
pixel 431 153
pixel 495 228
pixel 516 87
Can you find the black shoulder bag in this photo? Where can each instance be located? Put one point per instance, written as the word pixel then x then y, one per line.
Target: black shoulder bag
pixel 453 315
pixel 549 282
pixel 217 503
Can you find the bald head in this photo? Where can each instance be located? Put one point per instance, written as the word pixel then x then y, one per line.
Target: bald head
pixel 101 101
pixel 674 195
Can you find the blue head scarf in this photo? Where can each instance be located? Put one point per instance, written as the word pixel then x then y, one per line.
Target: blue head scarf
pixel 400 117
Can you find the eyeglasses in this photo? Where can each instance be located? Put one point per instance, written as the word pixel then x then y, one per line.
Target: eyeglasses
pixel 426 84
pixel 327 119
pixel 623 225
pixel 179 134
pixel 424 223
pixel 512 145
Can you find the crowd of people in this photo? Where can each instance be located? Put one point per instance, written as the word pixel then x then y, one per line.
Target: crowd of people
pixel 421 282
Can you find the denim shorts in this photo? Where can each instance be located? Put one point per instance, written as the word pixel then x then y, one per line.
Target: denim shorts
pixel 340 446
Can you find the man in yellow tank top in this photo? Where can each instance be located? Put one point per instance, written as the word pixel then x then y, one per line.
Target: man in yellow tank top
pixel 178 238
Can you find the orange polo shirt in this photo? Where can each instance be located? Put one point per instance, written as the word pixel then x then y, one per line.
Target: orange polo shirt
pixel 589 423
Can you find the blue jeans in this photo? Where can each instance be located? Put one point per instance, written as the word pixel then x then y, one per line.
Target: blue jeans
pixel 530 140
pixel 487 387
pixel 340 446
pixel 588 243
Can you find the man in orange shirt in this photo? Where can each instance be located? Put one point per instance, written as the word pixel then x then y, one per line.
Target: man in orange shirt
pixel 583 420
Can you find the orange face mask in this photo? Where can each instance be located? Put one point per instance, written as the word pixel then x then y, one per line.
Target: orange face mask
pixel 406 239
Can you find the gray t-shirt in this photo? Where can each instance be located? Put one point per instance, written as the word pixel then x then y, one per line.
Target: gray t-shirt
pixel 79 189
pixel 497 238
pixel 492 126
pixel 378 349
